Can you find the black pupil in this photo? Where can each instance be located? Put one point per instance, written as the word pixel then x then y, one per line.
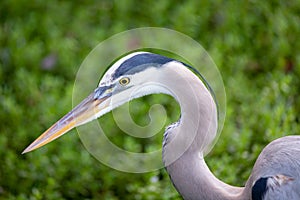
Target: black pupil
pixel 124 81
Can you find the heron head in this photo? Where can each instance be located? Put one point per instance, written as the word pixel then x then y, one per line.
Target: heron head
pixel 132 76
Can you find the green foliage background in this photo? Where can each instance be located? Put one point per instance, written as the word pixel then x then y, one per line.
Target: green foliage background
pixel 255 44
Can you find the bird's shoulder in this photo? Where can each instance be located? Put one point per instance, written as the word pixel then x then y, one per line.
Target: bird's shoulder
pixel 281 152
pixel 276 172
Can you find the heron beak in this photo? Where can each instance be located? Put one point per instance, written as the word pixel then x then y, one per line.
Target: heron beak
pixel 90 108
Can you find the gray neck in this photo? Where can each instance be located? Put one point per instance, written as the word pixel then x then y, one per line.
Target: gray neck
pixel 185 143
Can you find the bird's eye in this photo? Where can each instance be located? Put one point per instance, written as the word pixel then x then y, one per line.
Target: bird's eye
pixel 124 81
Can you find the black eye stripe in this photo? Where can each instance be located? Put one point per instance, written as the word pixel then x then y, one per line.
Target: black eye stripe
pixel 139 63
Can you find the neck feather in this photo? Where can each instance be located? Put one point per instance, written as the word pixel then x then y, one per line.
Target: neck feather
pixel 185 143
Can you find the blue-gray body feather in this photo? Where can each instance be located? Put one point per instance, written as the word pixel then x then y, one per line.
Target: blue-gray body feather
pixel 276 173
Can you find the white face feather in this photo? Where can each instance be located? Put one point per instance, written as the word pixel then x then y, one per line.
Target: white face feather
pixel 141 84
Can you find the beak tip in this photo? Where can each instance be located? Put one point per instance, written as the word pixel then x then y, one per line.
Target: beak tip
pixel 81 114
pixel 28 149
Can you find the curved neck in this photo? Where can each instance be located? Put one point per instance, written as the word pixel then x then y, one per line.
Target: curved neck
pixel 185 142
pixel 193 180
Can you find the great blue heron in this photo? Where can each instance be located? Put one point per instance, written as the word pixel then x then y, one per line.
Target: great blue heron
pixel 276 173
